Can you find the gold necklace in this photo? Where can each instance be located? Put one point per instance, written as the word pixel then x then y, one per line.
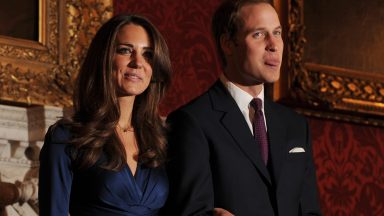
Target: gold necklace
pixel 123 136
pixel 130 129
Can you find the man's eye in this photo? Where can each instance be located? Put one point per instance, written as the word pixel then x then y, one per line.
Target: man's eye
pixel 124 50
pixel 277 33
pixel 258 34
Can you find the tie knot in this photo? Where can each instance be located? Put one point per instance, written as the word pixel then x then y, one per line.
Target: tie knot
pixel 256 103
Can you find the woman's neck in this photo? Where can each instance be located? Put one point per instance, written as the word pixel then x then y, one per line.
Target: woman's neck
pixel 126 107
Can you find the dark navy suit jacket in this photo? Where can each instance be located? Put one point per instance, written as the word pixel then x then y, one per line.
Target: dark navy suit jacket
pixel 214 161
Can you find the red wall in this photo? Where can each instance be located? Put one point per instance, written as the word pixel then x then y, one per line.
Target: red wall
pixel 349 158
pixel 185 24
pixel 350 167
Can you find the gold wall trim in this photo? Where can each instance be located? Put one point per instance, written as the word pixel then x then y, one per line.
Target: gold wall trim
pixel 42 72
pixel 322 90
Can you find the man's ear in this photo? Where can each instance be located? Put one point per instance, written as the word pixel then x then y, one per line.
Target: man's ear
pixel 226 44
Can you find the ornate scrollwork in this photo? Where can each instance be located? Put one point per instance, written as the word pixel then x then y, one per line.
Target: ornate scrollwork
pixel 42 72
pixel 325 91
pixel 348 92
pixel 302 85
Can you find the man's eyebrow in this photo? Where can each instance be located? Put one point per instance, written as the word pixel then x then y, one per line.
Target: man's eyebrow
pixel 278 28
pixel 262 29
pixel 255 29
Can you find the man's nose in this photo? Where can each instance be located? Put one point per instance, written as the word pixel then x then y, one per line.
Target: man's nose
pixel 271 44
pixel 272 48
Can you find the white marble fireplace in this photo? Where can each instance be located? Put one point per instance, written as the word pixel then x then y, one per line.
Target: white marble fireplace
pixel 22 131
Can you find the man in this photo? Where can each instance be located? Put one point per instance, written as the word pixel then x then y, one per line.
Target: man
pixel 227 157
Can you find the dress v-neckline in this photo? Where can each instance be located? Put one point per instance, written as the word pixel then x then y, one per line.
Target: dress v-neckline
pixel 137 181
pixel 131 174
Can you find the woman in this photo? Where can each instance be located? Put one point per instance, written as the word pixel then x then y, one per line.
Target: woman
pixel 107 159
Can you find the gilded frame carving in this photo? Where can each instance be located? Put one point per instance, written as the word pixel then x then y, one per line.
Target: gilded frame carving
pixel 42 72
pixel 321 90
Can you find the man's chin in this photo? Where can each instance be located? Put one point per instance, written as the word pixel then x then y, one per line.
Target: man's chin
pixel 272 79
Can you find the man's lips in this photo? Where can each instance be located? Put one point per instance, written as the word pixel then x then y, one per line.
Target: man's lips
pixel 272 62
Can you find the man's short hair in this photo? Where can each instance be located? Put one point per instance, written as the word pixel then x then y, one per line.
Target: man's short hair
pixel 226 20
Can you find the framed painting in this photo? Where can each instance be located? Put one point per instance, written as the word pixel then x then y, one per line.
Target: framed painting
pixel 333 59
pixel 38 63
pixel 25 25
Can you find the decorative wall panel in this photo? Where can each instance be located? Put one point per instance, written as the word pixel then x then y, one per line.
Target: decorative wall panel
pixel 320 86
pixel 41 72
pixel 349 163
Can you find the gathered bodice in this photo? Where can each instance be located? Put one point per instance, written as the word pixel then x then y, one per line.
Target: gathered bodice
pixel 95 191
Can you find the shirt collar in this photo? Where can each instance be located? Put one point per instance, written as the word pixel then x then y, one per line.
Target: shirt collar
pixel 241 97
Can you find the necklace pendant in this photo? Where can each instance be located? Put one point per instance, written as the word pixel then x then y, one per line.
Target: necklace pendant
pixel 124 130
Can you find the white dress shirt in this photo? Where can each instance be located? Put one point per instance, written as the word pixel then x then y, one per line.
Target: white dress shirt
pixel 243 100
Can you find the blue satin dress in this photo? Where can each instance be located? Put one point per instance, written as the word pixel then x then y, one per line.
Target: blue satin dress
pixel 95 191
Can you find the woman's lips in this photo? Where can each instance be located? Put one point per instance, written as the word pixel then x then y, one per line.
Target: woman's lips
pixel 132 76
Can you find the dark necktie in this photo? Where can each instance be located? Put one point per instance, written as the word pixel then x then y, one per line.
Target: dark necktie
pixel 259 131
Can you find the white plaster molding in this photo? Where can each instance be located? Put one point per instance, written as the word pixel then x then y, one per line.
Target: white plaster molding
pixel 20 210
pixel 27 123
pixel 28 190
pixel 22 131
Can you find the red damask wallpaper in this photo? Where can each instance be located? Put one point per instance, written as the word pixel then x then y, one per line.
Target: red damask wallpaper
pixel 350 167
pixel 185 24
pixel 349 158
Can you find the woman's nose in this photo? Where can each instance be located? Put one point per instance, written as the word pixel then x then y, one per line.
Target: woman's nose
pixel 137 61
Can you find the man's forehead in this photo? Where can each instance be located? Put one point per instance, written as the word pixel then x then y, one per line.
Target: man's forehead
pixel 260 15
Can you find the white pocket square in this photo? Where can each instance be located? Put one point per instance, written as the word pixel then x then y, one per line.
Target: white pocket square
pixel 296 150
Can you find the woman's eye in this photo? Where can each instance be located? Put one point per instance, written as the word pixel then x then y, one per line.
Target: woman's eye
pixel 124 50
pixel 148 55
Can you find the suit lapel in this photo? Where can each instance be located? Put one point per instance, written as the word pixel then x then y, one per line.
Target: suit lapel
pixel 277 136
pixel 234 122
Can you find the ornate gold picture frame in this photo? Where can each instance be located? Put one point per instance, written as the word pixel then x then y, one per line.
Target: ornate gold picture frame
pixel 322 90
pixel 41 72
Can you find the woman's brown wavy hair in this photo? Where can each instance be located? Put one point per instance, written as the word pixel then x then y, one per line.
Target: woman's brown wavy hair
pixel 96 109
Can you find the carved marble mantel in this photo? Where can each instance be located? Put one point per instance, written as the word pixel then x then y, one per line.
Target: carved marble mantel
pixel 22 131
